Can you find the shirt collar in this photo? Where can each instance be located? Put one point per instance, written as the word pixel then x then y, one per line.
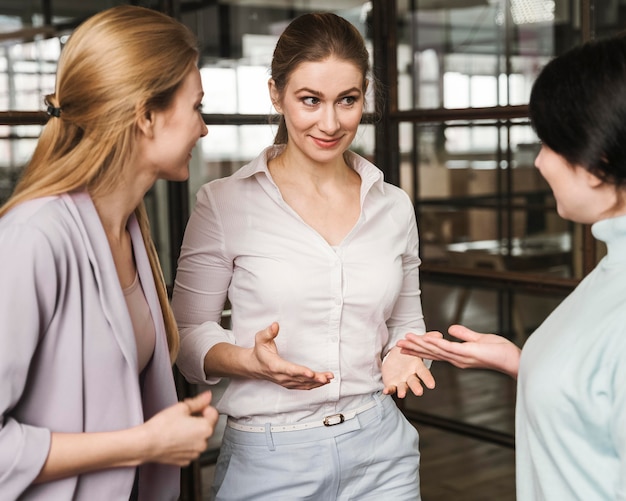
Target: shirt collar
pixel 371 176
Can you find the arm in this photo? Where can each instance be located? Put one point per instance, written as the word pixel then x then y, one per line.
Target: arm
pixel 175 436
pixel 36 453
pixel 200 291
pixel 399 371
pixel 263 362
pixel 486 351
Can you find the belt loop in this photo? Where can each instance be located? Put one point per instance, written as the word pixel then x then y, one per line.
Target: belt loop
pixel 379 404
pixel 268 437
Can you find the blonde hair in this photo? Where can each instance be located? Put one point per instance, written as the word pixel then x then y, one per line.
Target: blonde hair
pixel 116 66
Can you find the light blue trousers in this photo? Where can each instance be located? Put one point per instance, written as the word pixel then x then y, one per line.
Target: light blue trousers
pixel 373 456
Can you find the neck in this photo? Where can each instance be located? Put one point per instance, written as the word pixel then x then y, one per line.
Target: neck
pixel 115 208
pixel 299 167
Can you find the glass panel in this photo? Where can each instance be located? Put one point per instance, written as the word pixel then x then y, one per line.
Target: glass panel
pixel 17 144
pixel 482 204
pixel 477 53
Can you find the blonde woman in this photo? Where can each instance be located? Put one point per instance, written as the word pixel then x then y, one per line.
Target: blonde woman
pixel 88 407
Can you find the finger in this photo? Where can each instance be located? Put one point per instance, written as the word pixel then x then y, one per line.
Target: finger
pixel 210 414
pixel 198 403
pixel 390 389
pixel 428 336
pixel 415 385
pixel 269 333
pixel 426 377
pixel 463 333
pixel 401 390
pixel 324 377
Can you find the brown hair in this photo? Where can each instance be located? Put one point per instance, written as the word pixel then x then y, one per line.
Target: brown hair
pixel 117 65
pixel 315 37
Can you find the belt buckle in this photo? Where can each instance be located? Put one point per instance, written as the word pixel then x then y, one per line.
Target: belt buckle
pixel 334 419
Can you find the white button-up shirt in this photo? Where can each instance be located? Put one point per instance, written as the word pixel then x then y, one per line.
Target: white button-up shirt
pixel 340 309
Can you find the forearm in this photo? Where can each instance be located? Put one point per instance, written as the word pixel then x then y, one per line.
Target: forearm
pixel 230 360
pixel 509 363
pixel 76 453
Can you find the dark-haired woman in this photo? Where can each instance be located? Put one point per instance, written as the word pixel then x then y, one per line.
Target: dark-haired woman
pixel 571 399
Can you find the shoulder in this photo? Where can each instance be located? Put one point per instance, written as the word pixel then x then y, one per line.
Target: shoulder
pixel 40 215
pixel 238 182
pixel 373 177
pixel 38 226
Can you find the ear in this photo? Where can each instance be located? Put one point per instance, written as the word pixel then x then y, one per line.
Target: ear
pixel 592 180
pixel 145 121
pixel 274 95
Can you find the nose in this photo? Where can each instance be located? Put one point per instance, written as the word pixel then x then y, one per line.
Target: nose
pixel 329 121
pixel 205 130
pixel 539 157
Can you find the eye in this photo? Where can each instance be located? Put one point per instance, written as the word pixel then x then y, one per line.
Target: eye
pixel 310 100
pixel 349 100
pixel 199 108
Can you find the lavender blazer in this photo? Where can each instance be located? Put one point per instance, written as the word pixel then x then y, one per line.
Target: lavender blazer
pixel 68 359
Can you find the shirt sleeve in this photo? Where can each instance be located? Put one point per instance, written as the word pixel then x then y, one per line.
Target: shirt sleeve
pixel 200 290
pixel 407 315
pixel 28 295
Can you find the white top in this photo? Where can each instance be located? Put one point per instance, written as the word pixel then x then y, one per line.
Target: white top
pixel 571 398
pixel 340 309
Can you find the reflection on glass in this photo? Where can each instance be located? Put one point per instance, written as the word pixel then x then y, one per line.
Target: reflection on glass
pixel 481 202
pixel 475 53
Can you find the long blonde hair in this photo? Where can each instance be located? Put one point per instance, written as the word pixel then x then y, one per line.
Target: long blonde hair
pixel 117 65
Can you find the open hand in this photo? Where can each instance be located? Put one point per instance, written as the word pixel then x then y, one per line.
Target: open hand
pixel 486 351
pixel 273 367
pixel 401 372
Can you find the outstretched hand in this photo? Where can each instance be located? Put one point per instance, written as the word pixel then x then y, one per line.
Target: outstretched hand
pixel 486 351
pixel 272 367
pixel 402 371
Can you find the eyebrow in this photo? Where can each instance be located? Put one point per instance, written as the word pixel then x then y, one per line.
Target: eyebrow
pixel 320 94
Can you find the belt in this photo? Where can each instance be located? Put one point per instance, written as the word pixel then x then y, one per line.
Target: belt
pixel 331 420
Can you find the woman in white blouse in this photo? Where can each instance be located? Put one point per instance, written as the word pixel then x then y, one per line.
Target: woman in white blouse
pixel 308 241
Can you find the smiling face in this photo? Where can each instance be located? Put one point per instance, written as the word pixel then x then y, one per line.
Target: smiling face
pixel 322 104
pixel 171 134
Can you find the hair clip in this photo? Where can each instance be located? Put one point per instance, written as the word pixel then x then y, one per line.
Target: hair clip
pixel 53 111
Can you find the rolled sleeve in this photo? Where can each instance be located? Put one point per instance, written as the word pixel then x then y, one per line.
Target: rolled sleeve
pixel 200 289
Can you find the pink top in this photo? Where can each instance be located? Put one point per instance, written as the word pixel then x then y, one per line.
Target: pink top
pixel 143 326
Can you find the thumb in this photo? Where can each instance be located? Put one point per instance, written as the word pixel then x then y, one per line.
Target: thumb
pixel 462 333
pixel 270 332
pixel 199 402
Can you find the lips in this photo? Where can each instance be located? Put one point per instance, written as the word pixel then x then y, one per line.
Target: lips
pixel 326 143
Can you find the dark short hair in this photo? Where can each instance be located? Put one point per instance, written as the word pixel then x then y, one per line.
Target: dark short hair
pixel 578 107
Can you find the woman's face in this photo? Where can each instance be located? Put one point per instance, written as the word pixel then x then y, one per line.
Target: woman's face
pixel 580 196
pixel 175 131
pixel 322 104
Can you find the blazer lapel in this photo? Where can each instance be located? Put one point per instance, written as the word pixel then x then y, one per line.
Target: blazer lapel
pixel 111 295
